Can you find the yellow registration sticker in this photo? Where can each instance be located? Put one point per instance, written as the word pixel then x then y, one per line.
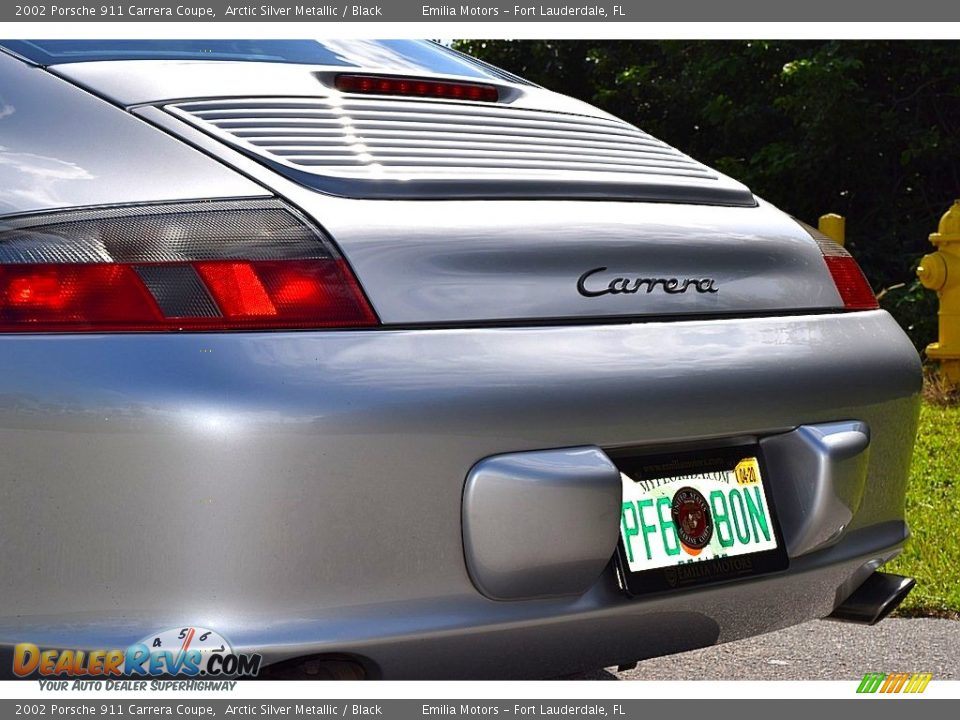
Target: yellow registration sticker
pixel 747 471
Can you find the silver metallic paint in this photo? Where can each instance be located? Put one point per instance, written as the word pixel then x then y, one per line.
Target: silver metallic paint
pixel 540 523
pixel 459 260
pixel 62 147
pixel 456 261
pixel 275 484
pixel 821 475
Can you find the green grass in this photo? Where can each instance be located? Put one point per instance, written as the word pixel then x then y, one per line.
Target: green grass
pixel 932 554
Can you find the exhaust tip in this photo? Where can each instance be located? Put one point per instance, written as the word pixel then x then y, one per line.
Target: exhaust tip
pixel 878 596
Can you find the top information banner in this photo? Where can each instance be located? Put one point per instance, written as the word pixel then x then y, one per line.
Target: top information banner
pixel 418 11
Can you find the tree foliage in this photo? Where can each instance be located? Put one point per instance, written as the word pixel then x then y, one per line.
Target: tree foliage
pixel 867 129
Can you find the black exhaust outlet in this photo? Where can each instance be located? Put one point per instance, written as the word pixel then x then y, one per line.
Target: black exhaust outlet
pixel 877 597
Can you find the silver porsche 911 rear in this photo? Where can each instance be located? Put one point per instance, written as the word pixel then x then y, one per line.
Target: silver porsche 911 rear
pixel 369 352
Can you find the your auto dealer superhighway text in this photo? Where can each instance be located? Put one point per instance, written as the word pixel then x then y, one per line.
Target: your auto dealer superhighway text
pixel 232 709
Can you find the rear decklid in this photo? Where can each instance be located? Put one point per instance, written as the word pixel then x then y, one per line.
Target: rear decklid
pixel 460 261
pixel 533 207
pixel 529 143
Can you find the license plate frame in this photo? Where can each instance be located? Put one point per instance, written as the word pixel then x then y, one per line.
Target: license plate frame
pixel 682 576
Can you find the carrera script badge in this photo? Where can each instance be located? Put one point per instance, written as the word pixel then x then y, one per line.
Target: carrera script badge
pixel 589 285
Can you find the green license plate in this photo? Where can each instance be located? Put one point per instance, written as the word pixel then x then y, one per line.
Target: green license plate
pixel 696 518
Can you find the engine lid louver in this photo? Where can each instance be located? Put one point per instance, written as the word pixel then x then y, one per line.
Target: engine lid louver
pixel 362 146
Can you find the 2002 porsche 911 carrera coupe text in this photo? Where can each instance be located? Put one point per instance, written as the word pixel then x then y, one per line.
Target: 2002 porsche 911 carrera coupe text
pixel 373 357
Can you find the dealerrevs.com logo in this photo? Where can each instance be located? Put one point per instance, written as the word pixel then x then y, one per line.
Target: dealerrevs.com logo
pixel 186 652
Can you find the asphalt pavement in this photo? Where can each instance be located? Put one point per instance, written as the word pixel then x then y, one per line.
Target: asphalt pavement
pixel 819 650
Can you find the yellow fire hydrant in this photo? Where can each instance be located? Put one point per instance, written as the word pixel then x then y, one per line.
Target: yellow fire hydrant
pixel 940 271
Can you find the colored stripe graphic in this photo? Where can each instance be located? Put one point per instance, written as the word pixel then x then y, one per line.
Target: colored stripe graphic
pixel 894 683
pixel 871 682
pixel 919 682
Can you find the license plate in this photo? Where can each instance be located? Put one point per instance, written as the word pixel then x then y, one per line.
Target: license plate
pixel 696 518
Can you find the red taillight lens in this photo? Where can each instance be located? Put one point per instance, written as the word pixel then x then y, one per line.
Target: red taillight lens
pixel 416 87
pixel 205 266
pixel 58 297
pixel 237 289
pixel 851 283
pixel 293 292
pixel 849 279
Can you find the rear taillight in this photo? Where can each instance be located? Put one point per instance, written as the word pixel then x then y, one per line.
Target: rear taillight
pixel 218 265
pixel 416 87
pixel 851 283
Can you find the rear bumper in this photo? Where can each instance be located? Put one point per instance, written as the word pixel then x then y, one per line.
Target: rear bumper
pixel 301 492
